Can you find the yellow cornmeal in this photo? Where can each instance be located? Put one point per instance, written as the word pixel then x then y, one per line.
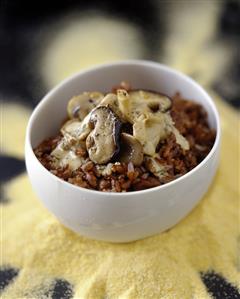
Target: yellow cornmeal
pixel 192 45
pixel 13 121
pixel 163 266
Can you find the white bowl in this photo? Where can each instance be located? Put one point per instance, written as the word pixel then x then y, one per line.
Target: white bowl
pixel 118 217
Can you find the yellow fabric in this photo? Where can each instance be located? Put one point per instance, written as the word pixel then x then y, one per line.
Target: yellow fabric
pixel 162 266
pixel 13 118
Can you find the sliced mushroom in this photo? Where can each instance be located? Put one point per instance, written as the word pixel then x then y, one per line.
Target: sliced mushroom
pixel 136 103
pixel 180 139
pixel 71 160
pixel 154 101
pixel 64 153
pixel 77 129
pixel 103 141
pixel 150 129
pixel 71 127
pixel 131 150
pixel 60 151
pixel 86 128
pixel 67 158
pixel 125 105
pixel 79 106
pixel 111 101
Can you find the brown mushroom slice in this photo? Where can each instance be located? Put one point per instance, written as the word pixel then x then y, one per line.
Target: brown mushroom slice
pixel 103 141
pixel 125 105
pixel 154 101
pixel 150 129
pixel 138 102
pixel 111 101
pixel 131 150
pixel 86 128
pixel 71 127
pixel 77 129
pixel 79 106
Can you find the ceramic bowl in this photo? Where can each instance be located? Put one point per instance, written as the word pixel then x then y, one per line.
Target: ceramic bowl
pixel 118 217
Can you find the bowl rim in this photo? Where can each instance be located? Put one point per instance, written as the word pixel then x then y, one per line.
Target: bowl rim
pixel 131 62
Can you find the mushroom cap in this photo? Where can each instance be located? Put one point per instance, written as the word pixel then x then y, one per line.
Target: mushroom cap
pixel 154 100
pixel 155 167
pixel 71 127
pixel 111 101
pixel 80 105
pixel 103 141
pixel 138 102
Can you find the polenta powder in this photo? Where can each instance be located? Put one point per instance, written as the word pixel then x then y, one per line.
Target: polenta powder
pixel 167 265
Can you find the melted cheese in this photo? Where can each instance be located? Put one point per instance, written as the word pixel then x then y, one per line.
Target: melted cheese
pixel 149 130
pixel 71 159
pixel 180 139
pixel 155 167
pixel 146 111
pixel 64 153
pixel 72 127
pixel 77 129
pixel 149 127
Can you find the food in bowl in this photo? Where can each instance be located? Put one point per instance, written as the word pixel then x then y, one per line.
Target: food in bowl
pixel 127 140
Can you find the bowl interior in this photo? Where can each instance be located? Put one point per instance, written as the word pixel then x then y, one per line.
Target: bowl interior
pixel 51 111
